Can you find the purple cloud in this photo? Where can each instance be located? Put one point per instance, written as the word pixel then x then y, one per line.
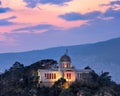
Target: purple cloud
pixel 115 2
pixel 33 3
pixel 4 10
pixel 37 27
pixel 111 3
pixel 6 22
pixel 112 13
pixel 0 3
pixel 77 16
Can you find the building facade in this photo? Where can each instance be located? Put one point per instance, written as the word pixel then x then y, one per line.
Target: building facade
pixel 65 70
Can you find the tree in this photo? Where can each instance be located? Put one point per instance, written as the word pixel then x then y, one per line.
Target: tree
pixel 104 79
pixel 57 87
pixel 87 67
pixel 49 63
pixel 66 92
pixel 44 64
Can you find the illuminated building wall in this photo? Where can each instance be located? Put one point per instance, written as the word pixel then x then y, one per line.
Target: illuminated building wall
pixel 49 75
pixel 70 75
pixel 65 70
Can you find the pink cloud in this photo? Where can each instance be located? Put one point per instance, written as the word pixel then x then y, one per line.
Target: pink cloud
pixel 48 14
pixel 44 17
pixel 9 29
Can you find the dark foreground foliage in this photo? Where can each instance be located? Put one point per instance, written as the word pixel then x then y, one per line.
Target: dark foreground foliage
pixel 22 81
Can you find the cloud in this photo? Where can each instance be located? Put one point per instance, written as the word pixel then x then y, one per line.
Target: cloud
pixel 0 3
pixel 77 16
pixel 54 1
pixel 42 27
pixel 4 10
pixel 112 13
pixel 111 3
pixel 115 2
pixel 33 3
pixel 6 22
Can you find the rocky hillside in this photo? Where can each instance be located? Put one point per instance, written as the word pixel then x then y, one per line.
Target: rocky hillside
pixel 23 81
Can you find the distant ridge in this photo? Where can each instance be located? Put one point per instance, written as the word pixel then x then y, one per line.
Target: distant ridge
pixel 101 56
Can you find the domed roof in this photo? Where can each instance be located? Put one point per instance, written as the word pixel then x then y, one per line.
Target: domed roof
pixel 65 58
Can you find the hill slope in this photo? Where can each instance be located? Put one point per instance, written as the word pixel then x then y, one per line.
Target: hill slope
pixel 101 56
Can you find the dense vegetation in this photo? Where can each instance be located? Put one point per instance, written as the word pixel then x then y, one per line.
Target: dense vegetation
pixel 23 81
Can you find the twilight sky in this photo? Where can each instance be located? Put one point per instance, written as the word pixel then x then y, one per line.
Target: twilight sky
pixel 39 24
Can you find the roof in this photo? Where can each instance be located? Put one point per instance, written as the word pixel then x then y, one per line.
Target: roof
pixel 65 58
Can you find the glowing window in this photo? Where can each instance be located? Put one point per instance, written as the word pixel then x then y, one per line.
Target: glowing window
pixel 54 76
pixel 65 65
pixel 68 75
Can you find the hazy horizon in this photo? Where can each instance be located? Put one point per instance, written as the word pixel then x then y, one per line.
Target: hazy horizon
pixel 57 46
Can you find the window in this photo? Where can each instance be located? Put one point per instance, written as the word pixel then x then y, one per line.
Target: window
pixel 65 65
pixel 50 75
pixel 54 76
pixel 68 75
pixel 78 75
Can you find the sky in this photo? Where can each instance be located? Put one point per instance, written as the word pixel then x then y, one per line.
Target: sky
pixel 39 24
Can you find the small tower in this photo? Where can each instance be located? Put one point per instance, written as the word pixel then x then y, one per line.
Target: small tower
pixel 65 62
